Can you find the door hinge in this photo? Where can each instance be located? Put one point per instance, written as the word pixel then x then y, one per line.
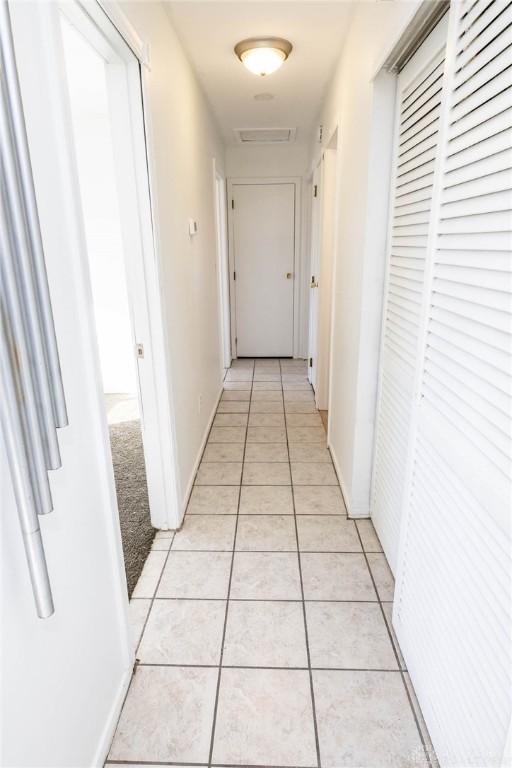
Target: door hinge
pixel 310 362
pixel 234 275
pixel 233 205
pixel 140 350
pixel 315 190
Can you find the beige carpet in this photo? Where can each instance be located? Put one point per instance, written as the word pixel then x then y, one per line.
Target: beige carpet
pixel 132 497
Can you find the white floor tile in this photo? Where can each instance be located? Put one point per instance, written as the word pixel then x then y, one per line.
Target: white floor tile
pixel 364 719
pixel 336 576
pixel 265 576
pixel 265 717
pixel 266 500
pixel 327 534
pixel 349 636
pixel 213 500
pixel 211 532
pixel 196 575
pixel 381 572
pixel 265 634
pixel 266 533
pixel 266 473
pixel 167 716
pixel 150 575
pixel 183 632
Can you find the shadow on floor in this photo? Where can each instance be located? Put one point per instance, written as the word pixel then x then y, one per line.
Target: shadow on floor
pixel 132 497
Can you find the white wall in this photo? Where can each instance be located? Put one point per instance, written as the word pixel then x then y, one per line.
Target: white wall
pixel 274 161
pixel 363 111
pixel 182 140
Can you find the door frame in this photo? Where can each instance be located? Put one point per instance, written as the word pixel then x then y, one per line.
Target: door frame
pixel 315 246
pixel 142 264
pixel 298 267
pixel 324 236
pixel 329 239
pixel 221 231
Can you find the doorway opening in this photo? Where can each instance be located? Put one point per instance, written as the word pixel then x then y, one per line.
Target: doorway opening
pixel 222 269
pixel 100 174
pixel 322 273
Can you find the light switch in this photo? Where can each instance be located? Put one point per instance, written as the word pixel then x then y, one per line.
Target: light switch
pixel 192 227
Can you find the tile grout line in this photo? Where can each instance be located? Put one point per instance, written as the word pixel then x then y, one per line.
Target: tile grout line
pixel 259 599
pixel 219 676
pixel 267 667
pixel 395 651
pixel 312 691
pixel 282 551
pixel 195 765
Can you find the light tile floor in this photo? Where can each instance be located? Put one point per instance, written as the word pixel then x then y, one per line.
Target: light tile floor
pixel 263 627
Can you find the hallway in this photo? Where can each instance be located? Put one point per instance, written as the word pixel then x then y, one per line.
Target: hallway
pixel 264 625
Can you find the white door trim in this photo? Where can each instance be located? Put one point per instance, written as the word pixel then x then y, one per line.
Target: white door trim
pixel 117 16
pixel 298 266
pixel 221 224
pixel 314 269
pixel 144 283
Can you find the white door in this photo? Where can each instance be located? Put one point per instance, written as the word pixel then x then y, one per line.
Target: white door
pixel 264 255
pixel 64 678
pixel 419 109
pixel 452 610
pixel 315 270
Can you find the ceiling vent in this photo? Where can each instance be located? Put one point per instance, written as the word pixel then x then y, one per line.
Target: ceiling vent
pixel 265 135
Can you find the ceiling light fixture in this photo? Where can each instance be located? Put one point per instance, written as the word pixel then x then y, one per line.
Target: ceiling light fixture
pixel 262 56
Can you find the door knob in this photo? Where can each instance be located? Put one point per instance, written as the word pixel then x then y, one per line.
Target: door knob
pixel 289 275
pixel 314 283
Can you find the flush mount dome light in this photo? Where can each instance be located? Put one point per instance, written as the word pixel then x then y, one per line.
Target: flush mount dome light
pixel 262 56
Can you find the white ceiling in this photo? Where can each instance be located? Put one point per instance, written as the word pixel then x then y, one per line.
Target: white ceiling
pixel 209 30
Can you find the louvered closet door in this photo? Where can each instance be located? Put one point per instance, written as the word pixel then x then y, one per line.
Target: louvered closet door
pixel 419 95
pixel 453 594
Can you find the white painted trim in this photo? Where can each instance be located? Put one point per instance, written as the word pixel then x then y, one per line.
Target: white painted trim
pixel 329 228
pixel 406 23
pixel 305 265
pixel 113 9
pixel 298 262
pixel 341 481
pixel 221 239
pixel 335 245
pixel 394 162
pixel 200 455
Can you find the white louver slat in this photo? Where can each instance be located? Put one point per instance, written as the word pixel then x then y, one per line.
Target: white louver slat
pixel 420 89
pixel 453 596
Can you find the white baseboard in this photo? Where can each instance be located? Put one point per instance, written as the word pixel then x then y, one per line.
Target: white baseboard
pixel 352 511
pixel 107 734
pixel 190 484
